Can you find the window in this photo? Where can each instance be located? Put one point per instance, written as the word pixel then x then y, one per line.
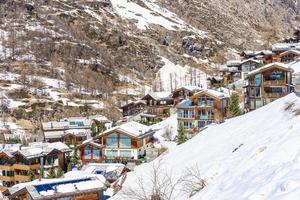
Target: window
pixel 210 101
pixel 112 140
pixel 112 153
pixel 188 125
pixel 210 113
pixel 276 75
pixel 96 153
pixel 87 152
pixel 185 113
pixel 201 101
pixel 180 113
pixel 201 124
pixel 125 153
pixel 125 141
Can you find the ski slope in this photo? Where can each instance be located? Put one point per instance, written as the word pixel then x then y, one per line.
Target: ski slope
pixel 252 157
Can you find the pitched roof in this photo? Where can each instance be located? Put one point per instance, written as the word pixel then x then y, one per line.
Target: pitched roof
pixel 268 66
pixel 214 93
pixel 38 149
pixel 290 51
pixel 159 95
pixel 285 46
pixel 191 88
pixel 132 128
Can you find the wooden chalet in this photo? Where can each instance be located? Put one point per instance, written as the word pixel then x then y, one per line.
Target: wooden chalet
pixel 265 56
pixel 158 105
pixel 267 84
pixel 287 56
pixel 79 188
pixel 133 108
pixel 124 143
pixel 26 163
pixel 203 108
pixel 183 93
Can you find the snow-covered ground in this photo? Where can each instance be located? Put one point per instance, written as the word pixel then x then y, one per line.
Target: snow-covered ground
pixel 151 13
pixel 255 157
pixel 172 76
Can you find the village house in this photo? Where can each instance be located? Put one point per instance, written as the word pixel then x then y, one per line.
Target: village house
pixel 26 163
pixel 279 48
pixel 133 108
pixel 73 130
pixel 267 84
pixel 89 187
pixel 296 75
pixel 264 56
pixel 184 92
pixel 288 56
pixel 158 105
pixel 127 142
pixel 203 108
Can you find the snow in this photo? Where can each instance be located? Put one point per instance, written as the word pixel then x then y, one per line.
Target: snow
pixel 173 76
pixel 151 14
pixel 282 65
pixel 135 128
pixel 255 156
pixel 295 66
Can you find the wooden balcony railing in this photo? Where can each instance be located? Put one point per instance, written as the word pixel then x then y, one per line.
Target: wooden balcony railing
pixel 22 178
pixel 7 178
pixel 26 167
pixel 275 95
pixel 2 188
pixel 274 83
pixel 6 168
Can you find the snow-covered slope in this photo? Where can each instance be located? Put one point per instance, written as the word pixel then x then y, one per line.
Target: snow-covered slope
pixel 253 157
pixel 172 76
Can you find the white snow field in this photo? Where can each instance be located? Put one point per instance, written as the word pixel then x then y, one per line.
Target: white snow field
pixel 151 13
pixel 252 157
pixel 172 76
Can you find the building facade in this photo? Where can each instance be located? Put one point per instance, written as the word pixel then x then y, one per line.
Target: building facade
pixel 203 108
pixel 27 163
pixel 267 84
pixel 127 142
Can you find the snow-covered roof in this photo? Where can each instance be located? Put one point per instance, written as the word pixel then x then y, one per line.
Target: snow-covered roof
pixel 256 53
pixel 270 65
pixel 132 128
pixel 186 102
pixel 160 95
pixel 38 149
pixel 290 51
pixel 285 46
pixel 191 88
pixel 233 62
pixel 218 94
pixel 62 187
pixel 250 60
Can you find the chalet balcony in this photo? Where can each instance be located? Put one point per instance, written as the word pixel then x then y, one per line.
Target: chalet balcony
pixel 7 178
pixel 2 188
pixel 6 167
pixel 274 83
pixel 26 167
pixel 275 95
pixel 24 177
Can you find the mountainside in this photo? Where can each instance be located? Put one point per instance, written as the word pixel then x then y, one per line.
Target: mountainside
pixel 255 156
pixel 113 51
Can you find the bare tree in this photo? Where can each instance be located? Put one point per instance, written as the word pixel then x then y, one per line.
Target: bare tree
pixel 159 184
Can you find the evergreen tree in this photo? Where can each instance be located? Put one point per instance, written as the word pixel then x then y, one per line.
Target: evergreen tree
pixel 74 157
pixel 234 107
pixel 31 175
pixel 69 167
pixel 51 173
pixel 181 138
pixel 59 173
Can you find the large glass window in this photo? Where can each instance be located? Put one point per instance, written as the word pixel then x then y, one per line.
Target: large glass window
pixel 96 153
pixel 188 125
pixel 125 141
pixel 185 113
pixel 125 153
pixel 201 101
pixel 112 153
pixel 276 75
pixel 87 152
pixel 112 140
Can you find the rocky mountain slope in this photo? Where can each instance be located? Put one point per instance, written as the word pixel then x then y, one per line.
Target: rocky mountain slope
pixel 120 48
